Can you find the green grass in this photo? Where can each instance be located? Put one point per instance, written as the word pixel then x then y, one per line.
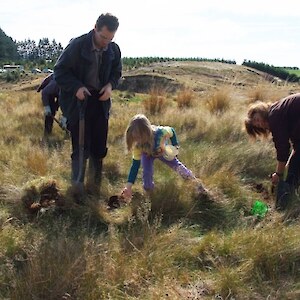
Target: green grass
pixel 291 71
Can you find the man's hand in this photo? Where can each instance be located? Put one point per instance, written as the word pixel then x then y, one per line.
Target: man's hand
pixel 82 92
pixel 105 92
pixel 47 111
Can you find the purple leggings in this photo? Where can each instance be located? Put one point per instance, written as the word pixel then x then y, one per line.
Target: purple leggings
pixel 175 164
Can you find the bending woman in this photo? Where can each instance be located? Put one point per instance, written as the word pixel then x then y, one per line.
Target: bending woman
pixel 282 120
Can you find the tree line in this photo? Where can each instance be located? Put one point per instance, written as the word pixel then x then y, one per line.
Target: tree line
pixel 280 72
pixel 45 53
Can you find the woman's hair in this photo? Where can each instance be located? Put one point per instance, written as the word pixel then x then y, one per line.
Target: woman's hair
pixel 263 109
pixel 139 131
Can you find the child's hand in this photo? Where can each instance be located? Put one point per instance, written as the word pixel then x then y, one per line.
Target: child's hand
pixel 127 192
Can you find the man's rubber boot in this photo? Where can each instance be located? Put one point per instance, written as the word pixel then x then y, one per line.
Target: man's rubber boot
pixel 94 176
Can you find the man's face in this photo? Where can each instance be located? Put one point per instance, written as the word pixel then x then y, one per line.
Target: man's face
pixel 103 37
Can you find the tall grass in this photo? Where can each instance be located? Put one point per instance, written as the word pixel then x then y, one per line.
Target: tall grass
pixel 185 98
pixel 169 244
pixel 156 102
pixel 219 101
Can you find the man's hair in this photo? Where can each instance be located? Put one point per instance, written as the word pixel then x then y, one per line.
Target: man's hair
pixel 263 109
pixel 140 127
pixel 108 20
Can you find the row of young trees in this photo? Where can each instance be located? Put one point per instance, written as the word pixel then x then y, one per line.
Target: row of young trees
pixel 279 72
pixel 135 62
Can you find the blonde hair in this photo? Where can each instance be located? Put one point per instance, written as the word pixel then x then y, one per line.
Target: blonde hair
pixel 139 131
pixel 263 109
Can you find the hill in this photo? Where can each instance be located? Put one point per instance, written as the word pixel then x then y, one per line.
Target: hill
pixel 199 76
pixel 8 48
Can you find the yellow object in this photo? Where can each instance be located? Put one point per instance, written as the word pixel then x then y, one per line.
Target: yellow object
pixel 170 152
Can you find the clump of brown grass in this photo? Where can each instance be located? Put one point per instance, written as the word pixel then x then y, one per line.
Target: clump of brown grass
pixel 259 93
pixel 156 102
pixel 185 98
pixel 36 161
pixel 219 101
pixel 266 93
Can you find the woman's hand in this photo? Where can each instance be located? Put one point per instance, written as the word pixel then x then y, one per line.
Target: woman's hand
pixel 275 177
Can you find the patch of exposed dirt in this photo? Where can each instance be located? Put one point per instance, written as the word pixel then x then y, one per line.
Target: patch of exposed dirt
pixel 42 195
pixel 26 83
pixel 144 83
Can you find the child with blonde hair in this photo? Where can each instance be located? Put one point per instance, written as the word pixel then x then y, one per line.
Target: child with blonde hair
pixel 148 142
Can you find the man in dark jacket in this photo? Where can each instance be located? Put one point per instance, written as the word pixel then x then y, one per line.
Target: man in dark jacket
pixel 50 95
pixel 88 70
pixel 282 120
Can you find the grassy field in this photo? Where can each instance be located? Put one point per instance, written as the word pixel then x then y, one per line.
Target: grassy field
pixel 297 72
pixel 172 244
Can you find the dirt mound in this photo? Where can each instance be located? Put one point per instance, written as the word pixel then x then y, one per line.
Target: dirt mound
pixel 42 194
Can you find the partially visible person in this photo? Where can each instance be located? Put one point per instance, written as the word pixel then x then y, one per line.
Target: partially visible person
pixel 89 68
pixel 282 120
pixel 148 142
pixel 50 96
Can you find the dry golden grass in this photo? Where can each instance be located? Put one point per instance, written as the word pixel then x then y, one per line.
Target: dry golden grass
pixel 156 103
pixel 219 101
pixel 185 98
pixel 171 244
pixel 267 92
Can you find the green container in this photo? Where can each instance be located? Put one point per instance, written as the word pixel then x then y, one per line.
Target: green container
pixel 259 208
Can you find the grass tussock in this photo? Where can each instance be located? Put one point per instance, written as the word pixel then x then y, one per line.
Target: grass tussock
pixel 185 98
pixel 156 102
pixel 219 102
pixel 36 161
pixel 266 93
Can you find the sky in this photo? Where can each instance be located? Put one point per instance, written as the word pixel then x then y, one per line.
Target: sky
pixel 259 30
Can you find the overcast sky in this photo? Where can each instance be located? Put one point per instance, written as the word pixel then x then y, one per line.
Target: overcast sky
pixel 265 31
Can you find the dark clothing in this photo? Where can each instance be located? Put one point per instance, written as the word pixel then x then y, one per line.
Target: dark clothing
pixel 50 97
pixel 95 134
pixel 293 174
pixel 72 68
pixel 284 122
pixel 45 82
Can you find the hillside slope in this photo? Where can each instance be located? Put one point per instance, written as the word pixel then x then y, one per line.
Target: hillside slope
pixel 199 76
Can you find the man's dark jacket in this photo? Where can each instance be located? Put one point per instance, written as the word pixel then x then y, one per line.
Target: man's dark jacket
pixel 72 67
